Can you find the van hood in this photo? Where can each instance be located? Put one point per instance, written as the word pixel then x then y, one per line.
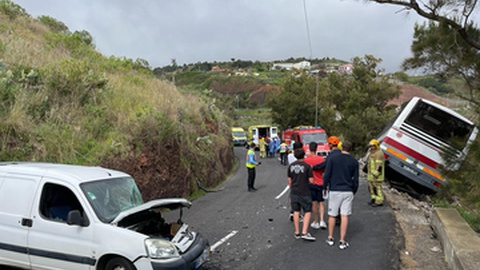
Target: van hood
pixel 172 204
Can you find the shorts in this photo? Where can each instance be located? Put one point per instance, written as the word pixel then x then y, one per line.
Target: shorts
pixel 317 193
pixel 340 201
pixel 299 202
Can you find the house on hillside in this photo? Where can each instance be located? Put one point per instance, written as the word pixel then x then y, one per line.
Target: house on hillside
pixel 290 66
pixel 217 69
pixel 345 69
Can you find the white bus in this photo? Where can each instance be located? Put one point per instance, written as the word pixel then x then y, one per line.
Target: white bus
pixel 414 141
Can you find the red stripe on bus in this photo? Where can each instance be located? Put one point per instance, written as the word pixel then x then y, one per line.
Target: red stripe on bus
pixel 410 152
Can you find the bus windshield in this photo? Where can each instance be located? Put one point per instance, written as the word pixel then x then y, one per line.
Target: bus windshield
pixel 439 124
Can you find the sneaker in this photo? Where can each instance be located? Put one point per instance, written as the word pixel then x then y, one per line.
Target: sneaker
pixel 308 237
pixel 315 225
pixel 343 245
pixel 301 218
pixel 290 217
pixel 323 225
pixel 330 241
pixel 297 236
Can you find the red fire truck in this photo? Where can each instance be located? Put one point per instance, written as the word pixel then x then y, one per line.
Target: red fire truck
pixel 305 135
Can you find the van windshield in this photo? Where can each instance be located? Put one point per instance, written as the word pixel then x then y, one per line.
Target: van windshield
pixel 238 133
pixel 110 197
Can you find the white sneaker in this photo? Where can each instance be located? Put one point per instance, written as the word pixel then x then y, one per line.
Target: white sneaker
pixel 330 241
pixel 307 237
pixel 322 225
pixel 315 225
pixel 343 245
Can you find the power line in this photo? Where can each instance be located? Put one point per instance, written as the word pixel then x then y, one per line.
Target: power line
pixel 308 28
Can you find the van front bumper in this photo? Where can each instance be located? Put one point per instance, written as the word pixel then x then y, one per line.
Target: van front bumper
pixel 195 256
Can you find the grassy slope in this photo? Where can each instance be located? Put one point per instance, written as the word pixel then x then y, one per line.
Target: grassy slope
pixel 61 101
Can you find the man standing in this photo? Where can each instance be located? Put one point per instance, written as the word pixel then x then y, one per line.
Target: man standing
pixel 341 179
pixel 316 189
pixel 300 175
pixel 283 153
pixel 251 163
pixel 375 173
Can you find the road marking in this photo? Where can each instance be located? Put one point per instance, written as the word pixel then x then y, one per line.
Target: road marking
pixel 223 240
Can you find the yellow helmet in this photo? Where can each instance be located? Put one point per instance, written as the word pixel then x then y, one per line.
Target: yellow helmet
pixel 339 145
pixel 374 142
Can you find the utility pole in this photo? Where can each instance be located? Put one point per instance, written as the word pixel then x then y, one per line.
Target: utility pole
pixel 316 99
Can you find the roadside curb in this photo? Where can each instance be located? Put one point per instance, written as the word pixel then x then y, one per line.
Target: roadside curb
pixel 460 243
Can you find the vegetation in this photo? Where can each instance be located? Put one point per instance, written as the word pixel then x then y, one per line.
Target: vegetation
pixel 449 47
pixel 353 107
pixel 62 101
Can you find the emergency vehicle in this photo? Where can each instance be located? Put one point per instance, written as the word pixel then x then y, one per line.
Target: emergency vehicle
pixel 305 135
pixel 261 131
pixel 415 140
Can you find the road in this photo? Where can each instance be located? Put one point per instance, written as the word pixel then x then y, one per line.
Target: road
pixel 251 230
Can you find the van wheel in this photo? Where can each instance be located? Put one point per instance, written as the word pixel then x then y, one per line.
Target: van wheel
pixel 118 263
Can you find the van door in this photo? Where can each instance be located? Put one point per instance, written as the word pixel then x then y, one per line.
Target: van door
pixel 53 243
pixel 255 135
pixel 273 132
pixel 16 197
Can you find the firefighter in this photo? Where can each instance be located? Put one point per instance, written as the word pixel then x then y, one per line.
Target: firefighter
pixel 375 173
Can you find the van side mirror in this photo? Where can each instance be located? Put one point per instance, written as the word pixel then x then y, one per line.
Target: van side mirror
pixel 76 218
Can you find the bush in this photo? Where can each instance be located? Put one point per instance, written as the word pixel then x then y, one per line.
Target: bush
pixel 54 25
pixel 11 9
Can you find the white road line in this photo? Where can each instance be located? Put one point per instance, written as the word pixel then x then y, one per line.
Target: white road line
pixel 223 240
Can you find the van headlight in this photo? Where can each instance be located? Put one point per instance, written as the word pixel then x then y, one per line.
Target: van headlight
pixel 160 249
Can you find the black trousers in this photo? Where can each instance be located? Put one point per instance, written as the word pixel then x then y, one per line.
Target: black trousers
pixel 251 177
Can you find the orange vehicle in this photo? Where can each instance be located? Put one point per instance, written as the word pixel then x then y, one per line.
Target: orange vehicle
pixel 305 135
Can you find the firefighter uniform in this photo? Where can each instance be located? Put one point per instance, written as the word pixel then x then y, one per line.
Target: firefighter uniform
pixel 375 173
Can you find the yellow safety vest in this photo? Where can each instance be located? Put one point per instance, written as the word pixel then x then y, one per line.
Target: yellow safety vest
pixel 249 165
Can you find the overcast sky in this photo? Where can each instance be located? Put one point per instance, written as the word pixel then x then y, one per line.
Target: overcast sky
pixel 193 31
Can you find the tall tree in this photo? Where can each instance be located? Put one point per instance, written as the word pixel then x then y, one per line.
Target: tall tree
pixel 449 45
pixel 353 107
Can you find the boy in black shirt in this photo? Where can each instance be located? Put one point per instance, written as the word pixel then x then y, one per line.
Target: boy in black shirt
pixel 300 175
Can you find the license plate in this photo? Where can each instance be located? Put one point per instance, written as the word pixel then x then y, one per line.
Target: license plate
pixel 410 170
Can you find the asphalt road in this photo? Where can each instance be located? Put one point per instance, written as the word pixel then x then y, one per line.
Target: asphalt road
pixel 251 230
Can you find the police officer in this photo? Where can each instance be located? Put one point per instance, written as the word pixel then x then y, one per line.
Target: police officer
pixel 251 163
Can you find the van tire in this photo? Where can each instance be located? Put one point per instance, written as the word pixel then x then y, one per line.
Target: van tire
pixel 118 263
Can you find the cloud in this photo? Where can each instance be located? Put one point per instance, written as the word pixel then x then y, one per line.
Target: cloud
pixel 217 30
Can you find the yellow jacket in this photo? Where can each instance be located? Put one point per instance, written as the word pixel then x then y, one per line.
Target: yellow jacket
pixel 376 166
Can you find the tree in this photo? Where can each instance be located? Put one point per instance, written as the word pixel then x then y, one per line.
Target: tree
pixel 449 45
pixel 456 14
pixel 353 107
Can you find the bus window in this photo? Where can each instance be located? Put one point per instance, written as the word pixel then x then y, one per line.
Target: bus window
pixel 439 124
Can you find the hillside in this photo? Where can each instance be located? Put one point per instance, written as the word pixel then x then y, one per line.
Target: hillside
pixel 408 91
pixel 62 101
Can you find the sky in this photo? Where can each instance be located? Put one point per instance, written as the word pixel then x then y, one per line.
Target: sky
pixel 192 31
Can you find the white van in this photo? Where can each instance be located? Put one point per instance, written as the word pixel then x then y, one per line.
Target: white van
pixel 55 216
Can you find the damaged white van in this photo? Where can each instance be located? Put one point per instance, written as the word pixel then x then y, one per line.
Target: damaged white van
pixel 55 216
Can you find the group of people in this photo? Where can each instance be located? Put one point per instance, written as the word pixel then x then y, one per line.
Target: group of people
pixel 268 146
pixel 313 178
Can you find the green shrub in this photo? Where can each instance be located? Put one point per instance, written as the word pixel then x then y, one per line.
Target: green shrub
pixel 11 10
pixel 54 25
